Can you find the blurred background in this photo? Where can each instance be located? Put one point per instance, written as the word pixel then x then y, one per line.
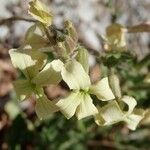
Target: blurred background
pixel 19 125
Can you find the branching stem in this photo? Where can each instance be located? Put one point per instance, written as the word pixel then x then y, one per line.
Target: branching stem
pixel 15 18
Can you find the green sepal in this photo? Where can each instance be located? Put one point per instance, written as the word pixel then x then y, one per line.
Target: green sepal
pixel 83 58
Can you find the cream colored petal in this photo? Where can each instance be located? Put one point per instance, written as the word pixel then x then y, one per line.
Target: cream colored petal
pixel 146 119
pixel 23 89
pixel 109 114
pixel 75 76
pixel 69 104
pixel 86 107
pixel 36 41
pixel 44 107
pixel 116 35
pixel 28 61
pixel 102 90
pixel 131 102
pixel 51 74
pixel 133 119
pixel 40 12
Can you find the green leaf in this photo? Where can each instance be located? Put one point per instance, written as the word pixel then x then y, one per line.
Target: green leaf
pixel 86 107
pixel 44 107
pixel 40 12
pixel 23 89
pixel 69 104
pixel 50 74
pixel 102 90
pixel 115 85
pixel 28 61
pixel 83 58
pixel 109 114
pixel 75 76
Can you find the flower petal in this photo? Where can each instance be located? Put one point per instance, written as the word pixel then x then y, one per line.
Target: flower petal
pixel 116 36
pixel 133 119
pixel 23 89
pixel 28 61
pixel 44 107
pixel 69 104
pixel 50 74
pixel 109 114
pixel 36 41
pixel 86 107
pixel 75 76
pixel 131 102
pixel 40 12
pixel 102 90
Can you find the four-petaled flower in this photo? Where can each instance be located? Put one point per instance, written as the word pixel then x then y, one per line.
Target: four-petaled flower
pixel 114 112
pixel 29 62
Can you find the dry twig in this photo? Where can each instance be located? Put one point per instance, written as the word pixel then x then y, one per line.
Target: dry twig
pixel 143 27
pixel 15 18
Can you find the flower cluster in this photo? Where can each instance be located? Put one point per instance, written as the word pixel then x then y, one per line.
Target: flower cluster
pixel 70 65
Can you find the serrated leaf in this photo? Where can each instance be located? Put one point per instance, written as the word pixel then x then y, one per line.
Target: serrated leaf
pixel 40 12
pixel 23 89
pixel 86 107
pixel 51 74
pixel 28 61
pixel 102 90
pixel 75 76
pixel 83 58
